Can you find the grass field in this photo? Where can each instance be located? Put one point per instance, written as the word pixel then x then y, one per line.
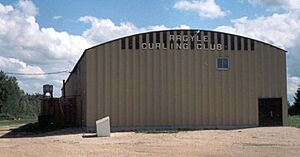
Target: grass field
pixel 294 121
pixel 16 123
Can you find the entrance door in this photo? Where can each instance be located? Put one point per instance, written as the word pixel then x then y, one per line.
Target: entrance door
pixel 270 111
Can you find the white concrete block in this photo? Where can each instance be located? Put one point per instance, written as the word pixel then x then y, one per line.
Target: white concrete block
pixel 103 127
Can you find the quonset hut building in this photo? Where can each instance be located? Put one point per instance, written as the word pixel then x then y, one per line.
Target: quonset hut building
pixel 181 79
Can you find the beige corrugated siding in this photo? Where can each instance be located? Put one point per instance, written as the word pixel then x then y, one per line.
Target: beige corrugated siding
pixel 178 88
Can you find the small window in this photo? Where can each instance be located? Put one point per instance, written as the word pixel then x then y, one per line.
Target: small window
pixel 144 38
pixel 225 42
pixel 151 38
pixel 123 43
pixel 165 39
pixel 212 38
pixel 130 42
pixel 252 45
pixel 223 63
pixel 239 41
pixel 245 44
pixel 137 42
pixel 232 42
pixel 157 37
pixel 219 38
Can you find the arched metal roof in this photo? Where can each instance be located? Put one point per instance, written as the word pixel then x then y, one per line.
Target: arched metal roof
pixel 170 30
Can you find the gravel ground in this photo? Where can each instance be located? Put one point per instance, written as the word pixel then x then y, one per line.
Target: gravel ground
pixel 268 141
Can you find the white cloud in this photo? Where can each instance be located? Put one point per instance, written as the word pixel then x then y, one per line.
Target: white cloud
pixel 293 84
pixel 56 17
pixel 278 29
pixel 17 66
pixel 104 29
pixel 204 8
pixel 275 4
pixel 22 36
pixel 27 7
pixel 5 9
pixel 182 27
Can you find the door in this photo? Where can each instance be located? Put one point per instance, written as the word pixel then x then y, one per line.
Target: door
pixel 270 111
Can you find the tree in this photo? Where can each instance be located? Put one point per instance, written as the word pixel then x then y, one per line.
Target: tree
pixel 9 93
pixel 295 108
pixel 14 103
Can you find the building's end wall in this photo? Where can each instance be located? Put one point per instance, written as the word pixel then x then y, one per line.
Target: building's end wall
pixel 76 87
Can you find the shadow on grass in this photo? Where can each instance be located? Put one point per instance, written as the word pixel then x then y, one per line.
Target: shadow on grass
pixel 33 130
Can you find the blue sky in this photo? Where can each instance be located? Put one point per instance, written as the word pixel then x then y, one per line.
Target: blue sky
pixel 141 13
pixel 50 35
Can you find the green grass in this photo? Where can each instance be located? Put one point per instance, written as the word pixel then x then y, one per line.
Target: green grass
pixel 15 123
pixel 294 121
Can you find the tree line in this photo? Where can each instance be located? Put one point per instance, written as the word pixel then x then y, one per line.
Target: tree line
pixel 14 102
pixel 295 108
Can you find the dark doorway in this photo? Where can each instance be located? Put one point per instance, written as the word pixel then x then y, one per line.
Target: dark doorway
pixel 270 111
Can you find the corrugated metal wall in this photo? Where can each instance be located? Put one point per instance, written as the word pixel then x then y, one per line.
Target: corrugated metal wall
pixel 181 88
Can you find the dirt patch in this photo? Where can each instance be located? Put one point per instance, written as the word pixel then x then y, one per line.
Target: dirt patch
pixel 269 141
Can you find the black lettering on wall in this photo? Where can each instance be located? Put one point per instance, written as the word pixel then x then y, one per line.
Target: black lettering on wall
pixel 252 44
pixel 232 42
pixel 245 44
pixel 130 42
pixel 239 43
pixel 123 43
pixel 137 42
pixel 225 42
